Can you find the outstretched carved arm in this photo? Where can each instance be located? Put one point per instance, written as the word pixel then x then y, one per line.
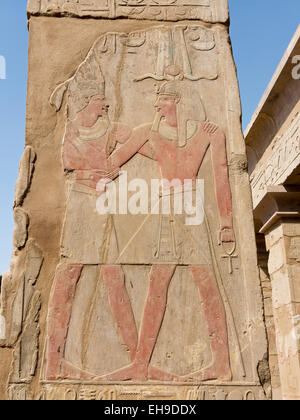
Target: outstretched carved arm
pixel 121 133
pixel 139 137
pixel 223 193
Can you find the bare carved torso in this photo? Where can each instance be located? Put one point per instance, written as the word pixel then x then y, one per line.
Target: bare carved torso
pixel 86 152
pixel 179 163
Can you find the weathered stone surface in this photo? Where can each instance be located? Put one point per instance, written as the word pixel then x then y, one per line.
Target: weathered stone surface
pixel 17 291
pixel 25 355
pixel 25 174
pixel 276 260
pixel 18 393
pixel 21 227
pixel 6 278
pixel 207 10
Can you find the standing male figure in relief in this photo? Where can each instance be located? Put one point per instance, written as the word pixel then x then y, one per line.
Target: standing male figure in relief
pixel 178 140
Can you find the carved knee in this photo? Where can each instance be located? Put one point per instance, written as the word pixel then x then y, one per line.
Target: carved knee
pixel 160 277
pixel 113 276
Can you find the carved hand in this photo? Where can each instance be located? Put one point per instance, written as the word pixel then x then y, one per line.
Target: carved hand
pixel 209 128
pixel 106 179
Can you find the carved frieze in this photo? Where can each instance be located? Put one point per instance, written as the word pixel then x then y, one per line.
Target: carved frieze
pixel 174 10
pixel 282 158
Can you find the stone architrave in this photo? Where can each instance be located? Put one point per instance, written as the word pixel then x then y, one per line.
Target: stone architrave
pixel 143 301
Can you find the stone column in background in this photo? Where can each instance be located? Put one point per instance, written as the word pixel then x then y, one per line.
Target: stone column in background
pixel 274 380
pixel 283 243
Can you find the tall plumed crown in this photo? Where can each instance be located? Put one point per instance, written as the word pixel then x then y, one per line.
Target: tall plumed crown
pixel 87 82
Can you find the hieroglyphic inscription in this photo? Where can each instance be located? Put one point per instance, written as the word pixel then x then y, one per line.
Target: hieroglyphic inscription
pixel 174 10
pixel 283 159
pixel 136 392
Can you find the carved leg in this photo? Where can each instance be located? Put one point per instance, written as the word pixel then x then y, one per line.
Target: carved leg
pixel 121 307
pixel 160 278
pixel 59 316
pixel 215 315
pixel 155 308
pixel 60 310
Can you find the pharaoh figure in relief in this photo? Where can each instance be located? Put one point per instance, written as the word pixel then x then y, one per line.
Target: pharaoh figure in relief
pixel 141 296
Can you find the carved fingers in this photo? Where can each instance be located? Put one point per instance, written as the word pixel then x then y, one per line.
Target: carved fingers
pixel 209 128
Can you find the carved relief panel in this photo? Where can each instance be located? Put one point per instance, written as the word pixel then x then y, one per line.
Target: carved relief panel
pixel 147 295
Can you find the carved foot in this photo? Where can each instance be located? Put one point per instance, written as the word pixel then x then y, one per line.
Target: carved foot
pixel 69 371
pixel 209 374
pixel 133 372
pixel 159 375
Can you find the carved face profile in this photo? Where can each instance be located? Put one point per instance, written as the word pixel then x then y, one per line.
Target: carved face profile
pixel 97 107
pixel 178 102
pixel 93 122
pixel 166 106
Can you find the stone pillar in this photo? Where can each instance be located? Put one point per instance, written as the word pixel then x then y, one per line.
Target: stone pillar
pixel 142 303
pixel 283 243
pixel 272 380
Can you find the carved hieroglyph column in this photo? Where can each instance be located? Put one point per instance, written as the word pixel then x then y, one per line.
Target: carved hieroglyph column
pixel 149 288
pixel 283 243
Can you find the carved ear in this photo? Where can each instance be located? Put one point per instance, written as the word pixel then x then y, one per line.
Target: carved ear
pixel 56 99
